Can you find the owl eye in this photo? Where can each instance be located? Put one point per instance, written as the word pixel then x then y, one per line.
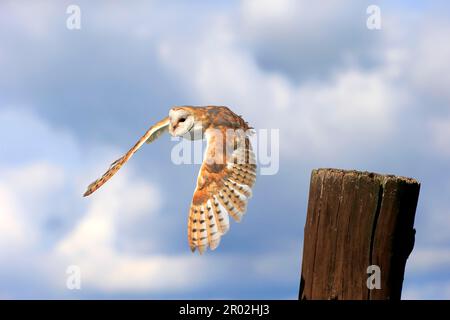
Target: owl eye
pixel 182 120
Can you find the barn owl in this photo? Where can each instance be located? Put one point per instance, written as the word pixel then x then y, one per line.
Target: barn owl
pixel 226 176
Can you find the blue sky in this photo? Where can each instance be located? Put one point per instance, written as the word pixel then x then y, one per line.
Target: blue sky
pixel 71 101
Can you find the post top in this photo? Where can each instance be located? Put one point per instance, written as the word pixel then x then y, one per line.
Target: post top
pixel 371 175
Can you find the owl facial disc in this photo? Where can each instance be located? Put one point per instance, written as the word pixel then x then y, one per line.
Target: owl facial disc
pixel 181 121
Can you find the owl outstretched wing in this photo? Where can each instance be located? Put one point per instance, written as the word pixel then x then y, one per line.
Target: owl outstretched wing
pixel 152 134
pixel 223 187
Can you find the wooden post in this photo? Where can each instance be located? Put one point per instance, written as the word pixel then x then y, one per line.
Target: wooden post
pixel 356 220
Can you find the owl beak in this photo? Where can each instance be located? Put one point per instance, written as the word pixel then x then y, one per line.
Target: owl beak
pixel 171 127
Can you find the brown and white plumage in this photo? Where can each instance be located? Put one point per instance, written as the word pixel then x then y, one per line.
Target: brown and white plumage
pixel 153 133
pixel 227 174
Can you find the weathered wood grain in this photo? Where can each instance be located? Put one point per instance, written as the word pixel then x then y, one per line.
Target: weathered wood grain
pixel 354 220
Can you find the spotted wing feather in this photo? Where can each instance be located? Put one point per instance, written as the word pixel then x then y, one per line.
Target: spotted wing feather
pixel 153 133
pixel 223 188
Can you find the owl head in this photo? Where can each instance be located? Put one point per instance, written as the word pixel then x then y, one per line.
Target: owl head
pixel 186 122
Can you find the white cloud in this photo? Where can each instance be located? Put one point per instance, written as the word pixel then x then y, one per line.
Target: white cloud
pixel 286 14
pixel 318 117
pixel 34 18
pixel 92 244
pixel 429 259
pixel 28 197
pixel 432 290
pixel 307 40
pixel 269 12
pixel 428 66
pixel 13 228
pixel 439 129
pixel 34 181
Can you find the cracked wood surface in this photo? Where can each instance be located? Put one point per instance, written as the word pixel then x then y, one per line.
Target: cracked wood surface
pixel 354 220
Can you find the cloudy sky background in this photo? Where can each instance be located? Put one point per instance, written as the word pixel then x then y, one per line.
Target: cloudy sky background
pixel 71 101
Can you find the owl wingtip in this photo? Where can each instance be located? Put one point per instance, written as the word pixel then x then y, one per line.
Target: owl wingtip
pixel 201 249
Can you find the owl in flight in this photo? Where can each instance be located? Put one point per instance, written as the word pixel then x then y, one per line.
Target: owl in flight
pixel 226 176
